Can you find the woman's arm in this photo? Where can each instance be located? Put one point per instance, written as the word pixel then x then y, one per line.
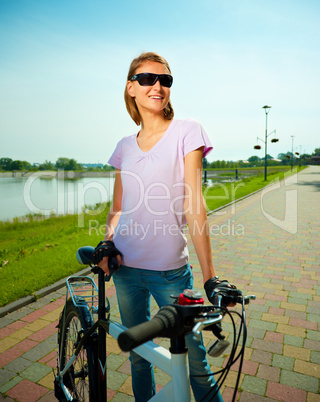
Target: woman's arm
pixel 196 214
pixel 113 218
pixel 115 209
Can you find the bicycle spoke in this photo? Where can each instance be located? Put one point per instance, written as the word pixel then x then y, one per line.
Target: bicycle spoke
pixel 77 378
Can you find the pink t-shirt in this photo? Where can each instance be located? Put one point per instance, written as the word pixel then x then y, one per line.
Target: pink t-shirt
pixel 150 229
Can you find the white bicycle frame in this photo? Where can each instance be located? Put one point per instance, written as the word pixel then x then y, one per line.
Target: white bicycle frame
pixel 175 365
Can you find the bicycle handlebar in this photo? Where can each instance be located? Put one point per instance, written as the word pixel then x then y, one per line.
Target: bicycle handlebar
pixel 174 320
pixel 166 323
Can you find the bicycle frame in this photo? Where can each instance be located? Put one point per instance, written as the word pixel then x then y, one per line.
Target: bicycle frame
pixel 174 364
pixel 170 320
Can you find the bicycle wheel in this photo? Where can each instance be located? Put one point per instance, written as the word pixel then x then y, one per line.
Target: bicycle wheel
pixel 80 378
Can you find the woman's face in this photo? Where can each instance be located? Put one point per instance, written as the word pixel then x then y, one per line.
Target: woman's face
pixel 150 98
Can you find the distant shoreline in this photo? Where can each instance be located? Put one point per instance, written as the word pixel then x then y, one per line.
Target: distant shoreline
pixel 50 174
pixel 69 174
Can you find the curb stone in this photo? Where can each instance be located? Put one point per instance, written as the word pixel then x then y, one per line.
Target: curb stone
pixel 16 305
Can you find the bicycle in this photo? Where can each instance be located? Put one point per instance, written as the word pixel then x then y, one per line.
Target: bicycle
pixel 81 357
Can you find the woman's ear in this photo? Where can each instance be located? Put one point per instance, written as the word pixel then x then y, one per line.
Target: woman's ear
pixel 130 89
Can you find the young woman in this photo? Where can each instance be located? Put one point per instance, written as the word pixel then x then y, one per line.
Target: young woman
pixel 158 189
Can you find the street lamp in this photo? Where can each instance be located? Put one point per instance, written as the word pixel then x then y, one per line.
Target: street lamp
pixel 292 137
pixel 275 139
pixel 266 109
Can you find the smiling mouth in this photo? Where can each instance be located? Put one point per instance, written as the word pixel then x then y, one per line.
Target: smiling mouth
pixel 156 97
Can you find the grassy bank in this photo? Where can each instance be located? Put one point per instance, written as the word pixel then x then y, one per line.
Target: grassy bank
pixel 261 168
pixel 222 193
pixel 37 253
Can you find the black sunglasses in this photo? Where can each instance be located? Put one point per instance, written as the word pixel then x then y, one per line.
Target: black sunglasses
pixel 149 79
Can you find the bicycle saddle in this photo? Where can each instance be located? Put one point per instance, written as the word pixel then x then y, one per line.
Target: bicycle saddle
pixel 84 255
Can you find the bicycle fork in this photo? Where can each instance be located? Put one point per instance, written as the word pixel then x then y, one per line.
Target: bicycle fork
pixel 173 362
pixel 180 368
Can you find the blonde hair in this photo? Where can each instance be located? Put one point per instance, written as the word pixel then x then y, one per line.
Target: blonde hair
pixel 131 106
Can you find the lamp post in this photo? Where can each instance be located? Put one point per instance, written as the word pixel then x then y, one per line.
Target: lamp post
pixel 300 157
pixel 266 109
pixel 292 137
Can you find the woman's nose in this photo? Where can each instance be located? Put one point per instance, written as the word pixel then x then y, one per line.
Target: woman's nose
pixel 157 84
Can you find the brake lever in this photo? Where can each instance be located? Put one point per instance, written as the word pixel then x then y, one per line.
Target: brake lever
pixel 225 297
pixel 196 330
pixel 248 298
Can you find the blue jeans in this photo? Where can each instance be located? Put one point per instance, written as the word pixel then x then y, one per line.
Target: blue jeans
pixel 134 289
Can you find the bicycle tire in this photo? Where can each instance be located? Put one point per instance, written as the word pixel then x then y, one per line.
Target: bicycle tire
pixel 80 379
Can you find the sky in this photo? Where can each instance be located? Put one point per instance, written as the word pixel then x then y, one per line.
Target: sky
pixel 63 68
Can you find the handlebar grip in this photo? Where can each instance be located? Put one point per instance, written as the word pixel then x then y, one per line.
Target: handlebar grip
pixel 166 323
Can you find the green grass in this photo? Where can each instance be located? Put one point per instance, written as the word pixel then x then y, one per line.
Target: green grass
pixel 37 252
pixel 220 194
pixel 259 168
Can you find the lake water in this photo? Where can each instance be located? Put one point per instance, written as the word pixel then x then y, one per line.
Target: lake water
pixel 20 196
pixel 39 194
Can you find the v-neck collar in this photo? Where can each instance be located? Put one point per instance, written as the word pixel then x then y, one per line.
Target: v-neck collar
pixel 158 143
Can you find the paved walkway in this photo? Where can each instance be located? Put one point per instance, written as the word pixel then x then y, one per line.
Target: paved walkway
pixel 268 245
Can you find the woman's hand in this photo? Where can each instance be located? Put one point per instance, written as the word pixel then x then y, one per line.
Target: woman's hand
pixel 104 264
pixel 214 286
pixel 103 255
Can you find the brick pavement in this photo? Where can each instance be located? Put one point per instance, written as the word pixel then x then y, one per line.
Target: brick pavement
pixel 266 247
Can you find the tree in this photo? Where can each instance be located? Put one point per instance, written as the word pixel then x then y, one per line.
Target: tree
pixel 204 163
pixel 26 165
pixel 17 165
pixel 214 165
pixel 5 163
pixel 67 164
pixel 73 165
pixel 253 159
pixel 108 167
pixel 46 166
pixel 269 157
pixel 62 163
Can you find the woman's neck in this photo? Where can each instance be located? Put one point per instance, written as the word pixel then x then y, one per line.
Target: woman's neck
pixel 153 125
